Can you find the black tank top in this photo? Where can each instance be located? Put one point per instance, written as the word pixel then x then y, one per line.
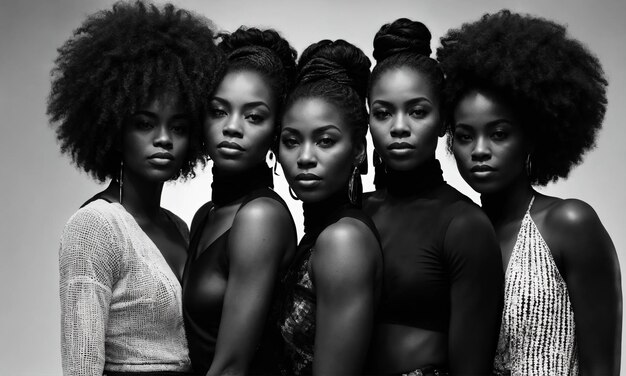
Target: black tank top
pixel 203 297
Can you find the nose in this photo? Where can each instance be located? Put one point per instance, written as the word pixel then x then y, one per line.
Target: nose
pixel 399 128
pixel 306 158
pixel 163 137
pixel 481 150
pixel 232 128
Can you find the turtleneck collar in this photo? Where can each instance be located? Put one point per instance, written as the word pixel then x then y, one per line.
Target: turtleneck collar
pixel 317 214
pixel 426 176
pixel 229 187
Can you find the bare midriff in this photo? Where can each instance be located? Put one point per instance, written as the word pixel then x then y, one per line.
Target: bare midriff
pixel 398 349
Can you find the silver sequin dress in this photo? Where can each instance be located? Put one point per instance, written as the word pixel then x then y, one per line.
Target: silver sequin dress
pixel 537 336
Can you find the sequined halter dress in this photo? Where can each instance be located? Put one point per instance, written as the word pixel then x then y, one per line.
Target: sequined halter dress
pixel 537 336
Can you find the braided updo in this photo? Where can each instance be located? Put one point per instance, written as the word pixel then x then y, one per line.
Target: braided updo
pixel 403 43
pixel 337 72
pixel 265 52
pixel 406 43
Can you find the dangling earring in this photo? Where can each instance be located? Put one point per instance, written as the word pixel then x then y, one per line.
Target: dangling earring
pixel 272 157
pixel 121 179
pixel 355 187
pixel 529 165
pixel 293 194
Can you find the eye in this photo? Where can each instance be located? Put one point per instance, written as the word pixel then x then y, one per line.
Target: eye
pixel 418 113
pixel 381 114
pixel 289 141
pixel 255 118
pixel 143 124
pixel 217 113
pixel 326 142
pixel 461 136
pixel 499 135
pixel 180 127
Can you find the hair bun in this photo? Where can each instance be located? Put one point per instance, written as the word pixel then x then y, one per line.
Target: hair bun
pixel 245 41
pixel 338 61
pixel 402 35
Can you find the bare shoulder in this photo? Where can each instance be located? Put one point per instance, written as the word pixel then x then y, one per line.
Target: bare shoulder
pixel 574 232
pixel 570 216
pixel 264 212
pixel 347 243
pixel 263 228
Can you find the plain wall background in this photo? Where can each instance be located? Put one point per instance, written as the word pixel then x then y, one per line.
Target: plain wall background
pixel 40 189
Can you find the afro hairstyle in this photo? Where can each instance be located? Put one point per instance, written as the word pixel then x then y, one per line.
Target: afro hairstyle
pixel 552 81
pixel 118 60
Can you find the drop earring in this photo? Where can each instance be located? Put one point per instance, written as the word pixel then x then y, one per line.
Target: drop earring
pixel 121 180
pixel 293 194
pixel 274 158
pixel 529 165
pixel 355 187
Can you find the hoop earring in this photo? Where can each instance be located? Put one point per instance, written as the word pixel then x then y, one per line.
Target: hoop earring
pixel 121 180
pixel 355 187
pixel 529 165
pixel 293 194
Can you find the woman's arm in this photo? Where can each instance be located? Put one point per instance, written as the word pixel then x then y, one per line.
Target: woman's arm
pixel 260 236
pixel 344 269
pixel 477 289
pixel 88 263
pixel 592 273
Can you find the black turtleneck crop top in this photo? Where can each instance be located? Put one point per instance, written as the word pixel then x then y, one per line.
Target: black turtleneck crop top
pixel 427 269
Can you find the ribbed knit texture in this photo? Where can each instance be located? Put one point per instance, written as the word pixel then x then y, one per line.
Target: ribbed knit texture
pixel 537 336
pixel 120 301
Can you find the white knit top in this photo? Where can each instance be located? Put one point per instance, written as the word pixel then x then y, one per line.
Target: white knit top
pixel 120 301
pixel 537 336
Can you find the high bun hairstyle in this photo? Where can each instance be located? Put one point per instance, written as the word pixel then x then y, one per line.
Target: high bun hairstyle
pixel 555 85
pixel 405 43
pixel 337 72
pixel 118 60
pixel 265 52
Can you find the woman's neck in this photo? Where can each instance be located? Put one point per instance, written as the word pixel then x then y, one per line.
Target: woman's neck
pixel 228 187
pixel 508 204
pixel 140 198
pixel 316 214
pixel 419 179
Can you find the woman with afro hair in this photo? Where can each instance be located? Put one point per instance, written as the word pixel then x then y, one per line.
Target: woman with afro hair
pixel 127 98
pixel 525 102
pixel 332 288
pixel 243 239
pixel 442 295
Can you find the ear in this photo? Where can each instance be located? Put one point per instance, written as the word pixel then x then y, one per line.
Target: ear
pixel 359 153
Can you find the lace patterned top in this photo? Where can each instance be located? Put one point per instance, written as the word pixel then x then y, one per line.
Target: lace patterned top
pixel 537 334
pixel 297 316
pixel 120 301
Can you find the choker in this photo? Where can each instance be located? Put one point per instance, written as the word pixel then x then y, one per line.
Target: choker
pixel 317 214
pixel 420 179
pixel 229 187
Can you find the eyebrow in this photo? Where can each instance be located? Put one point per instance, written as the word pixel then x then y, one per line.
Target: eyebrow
pixel 489 124
pixel 247 105
pixel 315 131
pixel 410 102
pixel 152 115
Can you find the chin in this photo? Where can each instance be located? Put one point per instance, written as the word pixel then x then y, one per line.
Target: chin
pixel 310 197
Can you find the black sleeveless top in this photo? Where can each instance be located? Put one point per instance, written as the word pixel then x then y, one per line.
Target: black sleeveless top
pixel 202 304
pixel 413 214
pixel 298 303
